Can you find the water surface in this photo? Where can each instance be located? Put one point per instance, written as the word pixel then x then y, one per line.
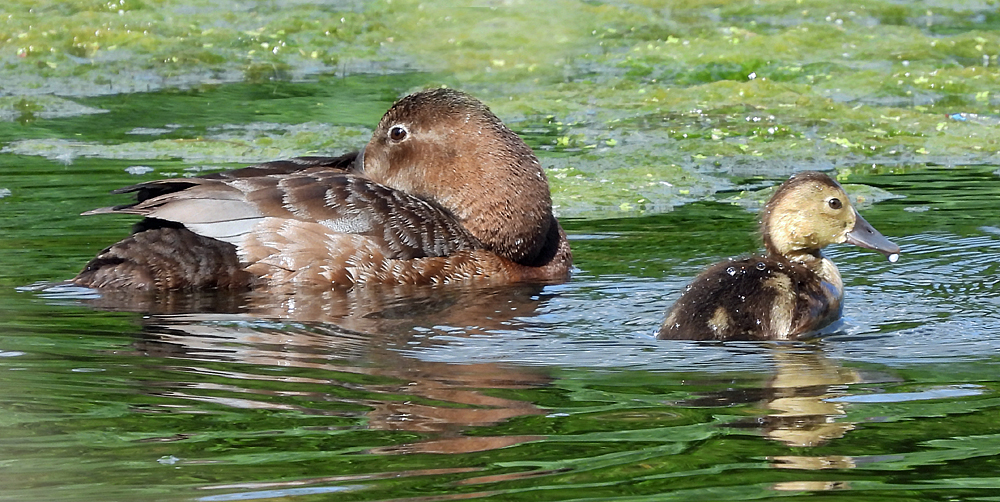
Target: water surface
pixel 512 393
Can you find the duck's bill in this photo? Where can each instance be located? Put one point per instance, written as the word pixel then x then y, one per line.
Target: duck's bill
pixel 864 235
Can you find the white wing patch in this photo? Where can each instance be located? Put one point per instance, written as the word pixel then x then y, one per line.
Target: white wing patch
pixel 231 231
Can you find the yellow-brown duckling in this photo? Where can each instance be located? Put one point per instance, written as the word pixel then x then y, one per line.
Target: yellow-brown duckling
pixel 791 290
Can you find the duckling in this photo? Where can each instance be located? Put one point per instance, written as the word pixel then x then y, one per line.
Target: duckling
pixel 792 289
pixel 443 192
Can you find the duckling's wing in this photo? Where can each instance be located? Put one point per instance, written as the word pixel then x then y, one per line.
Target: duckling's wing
pixel 748 299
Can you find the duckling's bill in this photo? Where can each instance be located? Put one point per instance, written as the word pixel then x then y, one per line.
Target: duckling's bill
pixel 864 235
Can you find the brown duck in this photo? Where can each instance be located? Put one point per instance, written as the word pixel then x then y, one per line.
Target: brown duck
pixel 443 192
pixel 792 289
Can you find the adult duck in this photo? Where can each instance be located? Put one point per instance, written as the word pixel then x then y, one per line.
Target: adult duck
pixel 792 289
pixel 443 192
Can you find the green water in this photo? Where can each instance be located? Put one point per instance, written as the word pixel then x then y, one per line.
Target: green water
pixel 658 149
pixel 517 393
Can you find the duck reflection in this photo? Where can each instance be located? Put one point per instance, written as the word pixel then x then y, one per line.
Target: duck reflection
pixel 364 331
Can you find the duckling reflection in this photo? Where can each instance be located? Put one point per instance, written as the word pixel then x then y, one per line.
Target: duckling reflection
pixel 791 290
pixel 798 399
pixel 803 381
pixel 804 412
pixel 353 344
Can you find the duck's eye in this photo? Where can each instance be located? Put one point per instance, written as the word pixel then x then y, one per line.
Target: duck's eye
pixel 397 133
pixel 835 203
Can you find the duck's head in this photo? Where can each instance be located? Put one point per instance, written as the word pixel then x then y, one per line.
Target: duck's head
pixel 810 211
pixel 449 148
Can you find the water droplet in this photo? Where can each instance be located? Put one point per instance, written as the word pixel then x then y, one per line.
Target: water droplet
pixel 894 257
pixel 731 270
pixel 761 265
pixel 139 170
pixel 168 460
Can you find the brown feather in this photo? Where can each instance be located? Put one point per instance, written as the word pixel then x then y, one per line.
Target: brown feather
pixel 461 198
pixel 790 291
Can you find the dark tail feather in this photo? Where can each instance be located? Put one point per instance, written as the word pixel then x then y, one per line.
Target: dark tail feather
pixel 165 258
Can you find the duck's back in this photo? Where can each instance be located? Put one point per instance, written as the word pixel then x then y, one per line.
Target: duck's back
pixel 760 298
pixel 162 254
pixel 307 226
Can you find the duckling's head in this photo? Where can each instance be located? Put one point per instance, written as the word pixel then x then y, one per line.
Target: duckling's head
pixel 449 148
pixel 810 211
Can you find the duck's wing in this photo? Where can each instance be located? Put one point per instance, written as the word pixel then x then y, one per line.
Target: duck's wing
pixel 302 165
pixel 318 220
pixel 347 163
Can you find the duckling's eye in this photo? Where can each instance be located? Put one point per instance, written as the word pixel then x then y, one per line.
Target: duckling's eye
pixel 835 203
pixel 397 133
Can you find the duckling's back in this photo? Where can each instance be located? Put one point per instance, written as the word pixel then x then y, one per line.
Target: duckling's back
pixel 762 298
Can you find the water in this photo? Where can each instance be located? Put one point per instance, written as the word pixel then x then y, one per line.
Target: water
pixel 511 393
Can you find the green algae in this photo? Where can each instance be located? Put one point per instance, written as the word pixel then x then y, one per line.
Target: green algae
pixel 634 106
pixel 257 143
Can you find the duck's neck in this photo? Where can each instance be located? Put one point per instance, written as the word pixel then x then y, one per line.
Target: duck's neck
pixel 510 210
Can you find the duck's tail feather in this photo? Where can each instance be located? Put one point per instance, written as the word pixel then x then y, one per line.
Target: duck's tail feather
pixel 166 258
